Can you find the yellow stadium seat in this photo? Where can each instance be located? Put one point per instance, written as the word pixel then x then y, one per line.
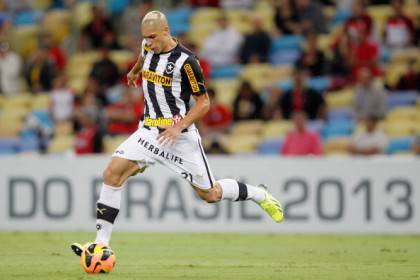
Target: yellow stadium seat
pixel 205 14
pixel 122 58
pixel 21 100
pixel 247 127
pixel 408 113
pixel 14 113
pixel 394 72
pixel 112 142
pixel 57 22
pixel 61 144
pixel 226 90
pixel 63 129
pixel 275 129
pixel 41 4
pixel 404 56
pixel 83 12
pixel 41 101
pixel 241 144
pixel 281 72
pixel 10 128
pixel 78 84
pixel 337 146
pixel 340 99
pixel 259 75
pixel 400 129
pixel 25 39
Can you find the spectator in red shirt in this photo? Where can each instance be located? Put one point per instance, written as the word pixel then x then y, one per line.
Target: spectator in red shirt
pixel 88 139
pixel 301 141
pixel 399 28
pixel 360 21
pixel 123 116
pixel 55 53
pixel 218 119
pixel 364 53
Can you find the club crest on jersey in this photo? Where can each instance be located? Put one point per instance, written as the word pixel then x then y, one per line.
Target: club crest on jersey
pixel 170 67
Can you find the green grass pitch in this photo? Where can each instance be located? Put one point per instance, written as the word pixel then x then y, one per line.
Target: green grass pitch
pixel 27 255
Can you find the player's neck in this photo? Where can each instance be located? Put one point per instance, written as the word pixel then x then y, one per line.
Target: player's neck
pixel 170 45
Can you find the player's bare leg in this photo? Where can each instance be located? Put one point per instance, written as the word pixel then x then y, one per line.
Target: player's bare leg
pixel 108 205
pixel 232 190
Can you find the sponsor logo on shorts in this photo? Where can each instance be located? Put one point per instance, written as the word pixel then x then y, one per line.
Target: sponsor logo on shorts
pixel 121 152
pixel 160 152
pixel 156 78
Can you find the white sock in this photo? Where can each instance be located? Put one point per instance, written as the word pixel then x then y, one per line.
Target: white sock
pixel 231 191
pixel 110 201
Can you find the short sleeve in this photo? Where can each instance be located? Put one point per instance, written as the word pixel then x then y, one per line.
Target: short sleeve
pixel 192 76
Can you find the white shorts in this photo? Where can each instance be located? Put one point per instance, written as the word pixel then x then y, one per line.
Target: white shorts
pixel 186 156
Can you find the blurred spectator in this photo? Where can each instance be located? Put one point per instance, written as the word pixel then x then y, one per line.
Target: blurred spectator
pixel 301 98
pixel 312 60
pixel 286 19
pixel 364 53
pixel 248 104
pixel 411 79
pixel 123 116
pixel 95 31
pixel 216 148
pixel 222 46
pixel 301 141
pixel 416 145
pixel 256 46
pixel 40 71
pixel 270 110
pixel 218 119
pixel 10 70
pixel 371 141
pixel 399 28
pixel 339 66
pixel 310 16
pixel 105 71
pixel 371 99
pixel 88 125
pixel 237 4
pixel 344 5
pixel 204 3
pixel 62 101
pixel 360 21
pixel 88 138
pixel 55 54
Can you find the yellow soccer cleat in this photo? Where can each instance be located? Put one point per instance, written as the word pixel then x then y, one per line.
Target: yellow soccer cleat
pixel 271 205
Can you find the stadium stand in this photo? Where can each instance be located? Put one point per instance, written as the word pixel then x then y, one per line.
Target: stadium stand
pixel 25 120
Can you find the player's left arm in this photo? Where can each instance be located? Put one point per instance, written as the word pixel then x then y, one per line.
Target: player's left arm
pixel 193 76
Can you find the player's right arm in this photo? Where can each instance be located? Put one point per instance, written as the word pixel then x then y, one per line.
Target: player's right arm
pixel 134 75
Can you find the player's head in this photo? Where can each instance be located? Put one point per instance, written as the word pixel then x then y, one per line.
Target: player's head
pixel 155 30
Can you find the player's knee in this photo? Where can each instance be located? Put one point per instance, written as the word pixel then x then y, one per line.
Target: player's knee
pixel 111 177
pixel 211 196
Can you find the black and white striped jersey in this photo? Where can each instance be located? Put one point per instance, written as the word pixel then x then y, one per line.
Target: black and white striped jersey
pixel 169 79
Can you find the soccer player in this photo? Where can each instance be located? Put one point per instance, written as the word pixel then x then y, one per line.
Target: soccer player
pixel 171 75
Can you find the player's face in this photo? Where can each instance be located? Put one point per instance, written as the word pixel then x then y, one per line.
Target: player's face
pixel 155 38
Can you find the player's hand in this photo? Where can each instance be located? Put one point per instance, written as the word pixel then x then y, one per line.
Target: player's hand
pixel 132 79
pixel 169 135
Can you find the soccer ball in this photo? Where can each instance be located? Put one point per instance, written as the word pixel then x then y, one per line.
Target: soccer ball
pixel 97 258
